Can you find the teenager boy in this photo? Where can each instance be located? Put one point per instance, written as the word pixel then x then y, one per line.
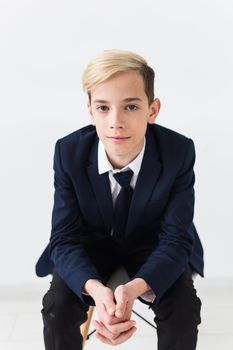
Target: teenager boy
pixel 123 197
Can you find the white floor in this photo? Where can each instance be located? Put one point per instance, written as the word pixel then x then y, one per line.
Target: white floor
pixel 21 324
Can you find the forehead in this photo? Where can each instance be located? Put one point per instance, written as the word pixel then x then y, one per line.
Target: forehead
pixel 121 86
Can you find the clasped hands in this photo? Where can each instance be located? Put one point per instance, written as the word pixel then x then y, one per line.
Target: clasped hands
pixel 114 309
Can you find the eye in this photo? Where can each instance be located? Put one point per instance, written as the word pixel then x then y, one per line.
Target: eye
pixel 102 108
pixel 131 107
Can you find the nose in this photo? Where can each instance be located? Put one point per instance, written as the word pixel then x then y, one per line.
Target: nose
pixel 116 120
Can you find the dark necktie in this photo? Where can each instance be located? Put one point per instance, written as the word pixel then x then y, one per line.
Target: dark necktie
pixel 122 204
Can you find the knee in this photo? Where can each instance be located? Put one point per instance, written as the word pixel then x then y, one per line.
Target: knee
pixel 187 315
pixel 177 317
pixel 61 312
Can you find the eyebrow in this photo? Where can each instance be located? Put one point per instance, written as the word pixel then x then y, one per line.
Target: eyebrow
pixel 128 99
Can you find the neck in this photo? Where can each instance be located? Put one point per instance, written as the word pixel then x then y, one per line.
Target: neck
pixel 119 163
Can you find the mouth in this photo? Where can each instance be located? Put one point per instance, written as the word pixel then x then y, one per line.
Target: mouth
pixel 118 137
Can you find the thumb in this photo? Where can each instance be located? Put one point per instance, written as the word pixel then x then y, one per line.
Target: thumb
pixel 120 307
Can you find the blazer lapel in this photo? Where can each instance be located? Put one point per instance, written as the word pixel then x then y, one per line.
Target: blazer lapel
pixel 147 179
pixel 101 187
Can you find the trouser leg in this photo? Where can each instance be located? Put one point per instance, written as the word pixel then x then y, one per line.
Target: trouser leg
pixel 63 313
pixel 177 315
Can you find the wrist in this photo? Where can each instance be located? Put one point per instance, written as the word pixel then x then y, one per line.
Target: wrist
pixel 92 286
pixel 138 286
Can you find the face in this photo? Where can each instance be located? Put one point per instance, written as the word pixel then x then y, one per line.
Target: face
pixel 120 111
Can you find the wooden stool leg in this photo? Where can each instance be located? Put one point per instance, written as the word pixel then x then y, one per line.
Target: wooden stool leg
pixel 85 326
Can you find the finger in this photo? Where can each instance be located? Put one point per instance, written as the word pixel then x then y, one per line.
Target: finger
pixel 128 312
pixel 113 332
pixel 119 340
pixel 124 336
pixel 103 330
pixel 120 310
pixel 103 339
pixel 110 306
pixel 104 314
pixel 121 327
pixel 121 305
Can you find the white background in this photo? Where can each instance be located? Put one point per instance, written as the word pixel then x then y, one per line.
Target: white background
pixel 45 46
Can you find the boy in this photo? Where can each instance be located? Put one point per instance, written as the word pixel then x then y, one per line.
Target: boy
pixel 123 197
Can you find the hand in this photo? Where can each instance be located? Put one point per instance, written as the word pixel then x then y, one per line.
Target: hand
pixel 115 336
pixel 114 329
pixel 114 310
pixel 124 297
pixel 121 327
pixel 111 329
pixel 103 297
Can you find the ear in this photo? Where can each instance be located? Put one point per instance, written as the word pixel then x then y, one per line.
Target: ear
pixel 154 109
pixel 90 112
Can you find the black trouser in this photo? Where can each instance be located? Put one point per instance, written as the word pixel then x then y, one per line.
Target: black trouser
pixel 177 316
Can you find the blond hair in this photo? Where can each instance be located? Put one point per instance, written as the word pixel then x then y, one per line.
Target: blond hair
pixel 112 62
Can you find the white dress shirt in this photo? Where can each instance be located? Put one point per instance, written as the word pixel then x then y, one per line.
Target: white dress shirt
pixel 105 166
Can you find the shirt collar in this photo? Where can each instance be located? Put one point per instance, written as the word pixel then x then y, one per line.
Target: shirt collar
pixel 105 166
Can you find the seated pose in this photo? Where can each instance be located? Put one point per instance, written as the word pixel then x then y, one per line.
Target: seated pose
pixel 123 196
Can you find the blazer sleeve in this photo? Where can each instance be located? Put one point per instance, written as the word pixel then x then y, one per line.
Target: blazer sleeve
pixel 169 259
pixel 66 251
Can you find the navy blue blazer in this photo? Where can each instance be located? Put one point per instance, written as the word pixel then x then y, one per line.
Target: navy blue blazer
pixel 160 238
